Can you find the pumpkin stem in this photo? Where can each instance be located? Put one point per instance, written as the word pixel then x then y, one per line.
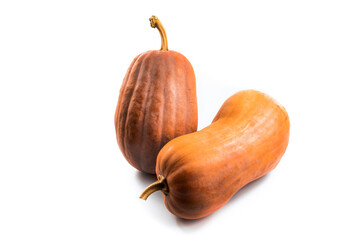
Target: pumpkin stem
pixel 160 184
pixel 155 23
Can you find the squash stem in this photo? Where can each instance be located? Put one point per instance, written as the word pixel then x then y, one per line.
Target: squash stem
pixel 160 184
pixel 155 23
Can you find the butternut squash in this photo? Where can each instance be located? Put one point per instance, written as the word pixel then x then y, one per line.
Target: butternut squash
pixel 199 172
pixel 157 102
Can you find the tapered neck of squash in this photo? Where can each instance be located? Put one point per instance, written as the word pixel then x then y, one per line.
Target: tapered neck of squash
pixel 155 23
pixel 159 185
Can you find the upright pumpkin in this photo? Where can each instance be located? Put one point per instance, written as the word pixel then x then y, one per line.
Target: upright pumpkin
pixel 199 172
pixel 157 103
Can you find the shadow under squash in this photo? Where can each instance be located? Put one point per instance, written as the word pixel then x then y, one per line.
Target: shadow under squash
pixel 158 206
pixel 145 178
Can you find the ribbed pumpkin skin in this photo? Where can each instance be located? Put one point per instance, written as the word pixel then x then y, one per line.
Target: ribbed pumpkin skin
pixel 157 103
pixel 203 170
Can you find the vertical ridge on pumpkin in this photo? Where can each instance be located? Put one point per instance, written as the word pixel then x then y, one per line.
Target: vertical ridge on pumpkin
pixel 186 86
pixel 121 95
pixel 146 100
pixel 120 107
pixel 134 111
pixel 147 114
pixel 130 88
pixel 191 96
pixel 151 133
pixel 170 102
pixel 177 91
pixel 161 112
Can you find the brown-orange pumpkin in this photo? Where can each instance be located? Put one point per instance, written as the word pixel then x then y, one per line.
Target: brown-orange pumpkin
pixel 199 172
pixel 157 102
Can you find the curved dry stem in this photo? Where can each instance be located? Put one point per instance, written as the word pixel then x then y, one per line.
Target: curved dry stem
pixel 160 184
pixel 155 23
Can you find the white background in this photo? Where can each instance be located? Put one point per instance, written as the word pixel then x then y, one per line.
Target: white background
pixel 62 175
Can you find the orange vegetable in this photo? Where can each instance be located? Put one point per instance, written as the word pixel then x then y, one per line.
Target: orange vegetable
pixel 199 172
pixel 157 103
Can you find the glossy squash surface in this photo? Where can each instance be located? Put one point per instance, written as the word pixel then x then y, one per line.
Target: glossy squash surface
pixel 199 172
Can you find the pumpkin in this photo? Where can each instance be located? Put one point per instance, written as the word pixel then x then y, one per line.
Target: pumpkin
pixel 199 172
pixel 157 102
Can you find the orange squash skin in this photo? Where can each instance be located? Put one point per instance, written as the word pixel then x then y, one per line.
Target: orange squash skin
pixel 203 170
pixel 157 102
